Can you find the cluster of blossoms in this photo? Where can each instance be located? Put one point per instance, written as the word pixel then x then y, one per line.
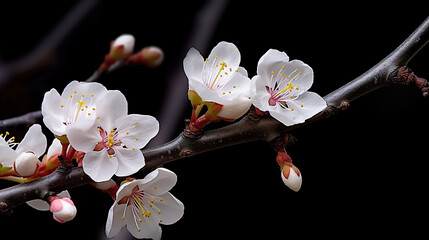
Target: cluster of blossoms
pixel 93 130
pixel 280 89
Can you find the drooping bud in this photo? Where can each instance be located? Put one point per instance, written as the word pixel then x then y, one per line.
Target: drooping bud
pixel 26 164
pixel 151 56
pixel 291 177
pixel 290 174
pixel 63 209
pixel 122 47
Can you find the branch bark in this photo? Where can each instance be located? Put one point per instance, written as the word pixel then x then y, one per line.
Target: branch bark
pixel 391 70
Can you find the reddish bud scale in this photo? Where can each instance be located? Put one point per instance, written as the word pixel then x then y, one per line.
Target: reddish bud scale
pixel 148 56
pixel 286 171
pixel 194 98
pixel 117 53
pixel 283 159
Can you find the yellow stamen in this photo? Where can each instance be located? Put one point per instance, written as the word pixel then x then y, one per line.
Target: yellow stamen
pixel 110 138
pixel 223 64
pixel 289 86
pixel 81 103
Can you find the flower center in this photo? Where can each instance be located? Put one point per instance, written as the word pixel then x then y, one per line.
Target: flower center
pixel 76 106
pixel 217 75
pixel 108 141
pixel 281 87
pixel 141 204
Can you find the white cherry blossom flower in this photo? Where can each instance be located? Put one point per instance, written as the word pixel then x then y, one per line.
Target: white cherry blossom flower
pixel 27 151
pixel 112 140
pixel 219 79
pixel 143 204
pixel 280 87
pixel 76 103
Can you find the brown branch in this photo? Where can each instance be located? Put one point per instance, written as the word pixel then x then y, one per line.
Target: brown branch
pixel 391 70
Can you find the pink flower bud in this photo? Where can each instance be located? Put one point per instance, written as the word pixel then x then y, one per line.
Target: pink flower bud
pixel 26 164
pixel 149 56
pixel 63 209
pixel 291 177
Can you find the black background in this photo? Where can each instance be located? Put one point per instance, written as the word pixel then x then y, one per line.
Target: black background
pixel 364 170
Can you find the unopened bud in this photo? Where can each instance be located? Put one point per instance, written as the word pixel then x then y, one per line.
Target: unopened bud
pixel 122 47
pixel 149 56
pixel 291 177
pixel 63 209
pixel 26 164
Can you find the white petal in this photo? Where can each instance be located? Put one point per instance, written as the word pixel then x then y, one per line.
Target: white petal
pixel 90 90
pixel 171 208
pixel 129 161
pixel 239 85
pixel 42 205
pixel 301 78
pixel 204 92
pixel 285 116
pixel 294 181
pixel 114 219
pixel 81 92
pixel 126 189
pixel 149 226
pixel 58 110
pixel 307 105
pixel 51 111
pixel 64 194
pixel 84 135
pixel 158 182
pixel 311 104
pixel 34 141
pixel 72 86
pixel 258 93
pixel 193 65
pixel 268 60
pixel 225 52
pixel 127 40
pixel 236 109
pixel 136 130
pixel 55 148
pixel 39 204
pixel 99 166
pixel 7 156
pixel 111 107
